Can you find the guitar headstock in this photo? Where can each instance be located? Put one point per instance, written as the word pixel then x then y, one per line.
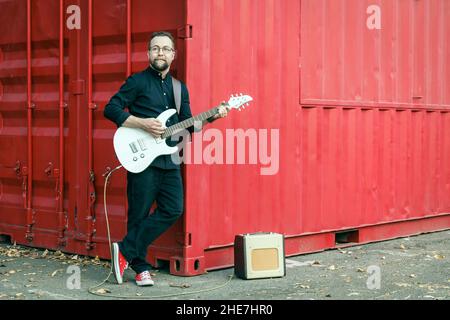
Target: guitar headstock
pixel 239 101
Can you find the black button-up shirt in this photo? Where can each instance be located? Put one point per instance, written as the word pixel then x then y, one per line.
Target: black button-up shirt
pixel 147 95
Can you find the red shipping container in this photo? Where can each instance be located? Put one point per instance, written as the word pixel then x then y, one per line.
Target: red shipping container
pixel 347 136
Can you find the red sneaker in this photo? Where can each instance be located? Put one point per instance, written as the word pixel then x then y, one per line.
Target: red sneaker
pixel 144 279
pixel 119 263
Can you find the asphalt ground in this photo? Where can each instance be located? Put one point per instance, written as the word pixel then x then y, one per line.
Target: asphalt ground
pixel 411 268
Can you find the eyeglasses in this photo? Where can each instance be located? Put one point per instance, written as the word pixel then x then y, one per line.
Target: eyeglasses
pixel 165 50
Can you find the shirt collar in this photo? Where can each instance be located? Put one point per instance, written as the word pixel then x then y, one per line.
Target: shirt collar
pixel 158 74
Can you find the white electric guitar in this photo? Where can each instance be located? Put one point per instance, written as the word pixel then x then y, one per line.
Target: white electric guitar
pixel 136 148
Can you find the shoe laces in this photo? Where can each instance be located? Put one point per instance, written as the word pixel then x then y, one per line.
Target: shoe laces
pixel 123 262
pixel 145 275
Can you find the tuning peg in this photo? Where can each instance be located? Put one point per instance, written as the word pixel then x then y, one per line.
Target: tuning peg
pixel 247 104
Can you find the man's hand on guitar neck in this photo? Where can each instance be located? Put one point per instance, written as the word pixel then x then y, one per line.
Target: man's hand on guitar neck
pixel 151 125
pixel 222 111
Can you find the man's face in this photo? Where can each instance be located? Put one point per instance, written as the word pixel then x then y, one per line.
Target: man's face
pixel 161 53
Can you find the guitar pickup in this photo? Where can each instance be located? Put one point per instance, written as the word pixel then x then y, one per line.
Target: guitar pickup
pixel 133 147
pixel 142 144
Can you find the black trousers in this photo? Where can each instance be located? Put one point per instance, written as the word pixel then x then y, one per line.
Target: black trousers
pixel 164 186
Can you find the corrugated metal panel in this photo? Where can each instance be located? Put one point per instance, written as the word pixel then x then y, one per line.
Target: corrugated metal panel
pixel 31 115
pixel 404 62
pixel 251 47
pixel 362 117
pixel 346 159
pixel 111 64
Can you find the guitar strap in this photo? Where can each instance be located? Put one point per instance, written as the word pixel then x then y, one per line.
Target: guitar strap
pixel 176 84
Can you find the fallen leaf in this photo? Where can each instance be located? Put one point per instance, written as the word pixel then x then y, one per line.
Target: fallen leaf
pixel 403 284
pixel 102 291
pixel 138 294
pixel 402 246
pixel 75 257
pixel 361 270
pixel 96 261
pixel 353 294
pixel 304 286
pixel 316 263
pixel 19 294
pixel 183 285
pixel 412 275
pixel 12 271
pixel 45 253
pixel 332 267
pixel 438 256
pixel 55 272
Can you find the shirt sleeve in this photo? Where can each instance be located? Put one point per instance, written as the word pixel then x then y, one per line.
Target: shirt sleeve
pixel 127 93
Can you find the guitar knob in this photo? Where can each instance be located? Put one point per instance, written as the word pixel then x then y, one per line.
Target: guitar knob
pixel 134 158
pixel 142 155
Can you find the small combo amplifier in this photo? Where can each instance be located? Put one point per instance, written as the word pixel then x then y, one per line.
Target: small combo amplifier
pixel 259 255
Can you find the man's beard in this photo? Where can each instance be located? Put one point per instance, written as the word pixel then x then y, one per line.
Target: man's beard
pixel 158 66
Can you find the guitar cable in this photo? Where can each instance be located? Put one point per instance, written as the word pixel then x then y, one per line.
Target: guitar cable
pixel 91 289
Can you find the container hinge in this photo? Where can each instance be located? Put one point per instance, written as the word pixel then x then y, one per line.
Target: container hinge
pixel 92 194
pixel 185 32
pixel 184 239
pixel 51 172
pixel 63 225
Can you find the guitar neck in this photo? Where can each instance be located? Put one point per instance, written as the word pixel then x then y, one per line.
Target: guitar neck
pixel 189 122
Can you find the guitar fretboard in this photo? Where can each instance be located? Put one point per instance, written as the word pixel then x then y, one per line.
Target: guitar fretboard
pixel 189 122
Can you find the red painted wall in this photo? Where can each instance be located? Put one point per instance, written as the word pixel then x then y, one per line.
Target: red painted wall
pixel 358 95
